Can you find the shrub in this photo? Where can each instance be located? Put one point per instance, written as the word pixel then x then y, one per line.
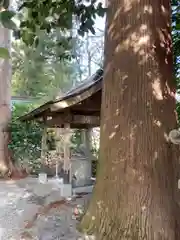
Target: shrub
pixel 25 138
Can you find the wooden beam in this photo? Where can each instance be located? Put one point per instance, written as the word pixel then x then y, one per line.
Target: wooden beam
pixel 60 120
pixel 81 119
pixel 84 112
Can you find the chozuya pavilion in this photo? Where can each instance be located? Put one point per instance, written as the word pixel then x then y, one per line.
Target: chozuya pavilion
pixel 79 108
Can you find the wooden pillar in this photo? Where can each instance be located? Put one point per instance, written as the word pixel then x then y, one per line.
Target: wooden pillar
pixel 67 152
pixel 59 140
pixel 59 145
pixel 86 141
pixel 44 145
pixel 86 171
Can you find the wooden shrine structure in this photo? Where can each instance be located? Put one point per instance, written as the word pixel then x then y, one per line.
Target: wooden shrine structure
pixel 79 108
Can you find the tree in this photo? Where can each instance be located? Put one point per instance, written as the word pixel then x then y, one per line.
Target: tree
pixel 88 52
pixel 7 166
pixel 5 96
pixel 135 196
pixel 38 71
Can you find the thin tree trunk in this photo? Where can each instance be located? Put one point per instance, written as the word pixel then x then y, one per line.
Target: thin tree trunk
pixel 88 55
pixel 136 195
pixel 7 167
pixel 5 101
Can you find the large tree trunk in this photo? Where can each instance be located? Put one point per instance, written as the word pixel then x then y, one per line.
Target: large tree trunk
pixel 135 196
pixel 5 101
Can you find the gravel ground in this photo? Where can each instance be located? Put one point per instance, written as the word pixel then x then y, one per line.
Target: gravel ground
pixel 24 213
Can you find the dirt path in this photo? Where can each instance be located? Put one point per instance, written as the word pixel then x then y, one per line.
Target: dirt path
pixel 29 210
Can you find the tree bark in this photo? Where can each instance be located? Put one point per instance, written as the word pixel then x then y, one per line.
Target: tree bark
pixel 5 101
pixel 136 195
pixel 7 167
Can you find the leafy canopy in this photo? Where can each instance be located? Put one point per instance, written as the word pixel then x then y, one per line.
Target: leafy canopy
pixel 47 15
pixel 35 15
pixel 50 14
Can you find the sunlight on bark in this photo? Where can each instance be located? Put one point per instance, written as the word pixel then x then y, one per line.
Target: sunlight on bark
pixel 112 135
pixel 157 91
pixel 157 123
pixel 3 168
pixel 117 112
pixel 148 9
pixel 164 10
pixel 135 41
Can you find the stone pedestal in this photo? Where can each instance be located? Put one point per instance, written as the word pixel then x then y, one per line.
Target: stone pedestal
pixel 81 172
pixel 66 190
pixel 82 165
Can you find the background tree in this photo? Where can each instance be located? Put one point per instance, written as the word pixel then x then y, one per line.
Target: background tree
pixel 176 45
pixel 57 70
pixel 88 53
pixel 176 35
pixel 5 96
pixel 39 72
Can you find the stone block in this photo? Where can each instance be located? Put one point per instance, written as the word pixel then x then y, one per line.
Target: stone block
pixel 66 190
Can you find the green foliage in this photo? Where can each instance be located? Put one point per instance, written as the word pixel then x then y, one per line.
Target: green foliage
pixel 7 22
pixel 6 15
pixel 38 71
pixel 50 141
pixel 176 45
pixel 50 14
pixel 6 19
pixel 26 137
pixel 4 53
pixel 94 168
pixel 176 36
pixel 76 139
pixel 178 112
